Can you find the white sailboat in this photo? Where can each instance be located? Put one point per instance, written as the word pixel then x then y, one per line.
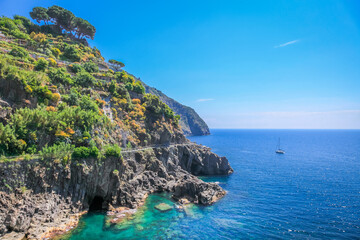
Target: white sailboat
pixel 279 150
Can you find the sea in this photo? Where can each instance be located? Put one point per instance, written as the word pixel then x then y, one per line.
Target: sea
pixel 310 192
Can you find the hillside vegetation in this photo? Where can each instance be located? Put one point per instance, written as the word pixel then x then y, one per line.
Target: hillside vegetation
pixel 191 123
pixel 59 99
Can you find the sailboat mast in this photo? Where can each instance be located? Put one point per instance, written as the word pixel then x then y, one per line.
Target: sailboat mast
pixel 278 144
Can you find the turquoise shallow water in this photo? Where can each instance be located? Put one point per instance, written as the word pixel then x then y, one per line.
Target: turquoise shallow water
pixel 313 191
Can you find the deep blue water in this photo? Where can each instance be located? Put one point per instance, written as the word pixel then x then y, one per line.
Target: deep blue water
pixel 312 191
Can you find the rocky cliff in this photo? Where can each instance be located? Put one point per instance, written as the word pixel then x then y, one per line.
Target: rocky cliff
pixel 76 136
pixel 37 197
pixel 191 123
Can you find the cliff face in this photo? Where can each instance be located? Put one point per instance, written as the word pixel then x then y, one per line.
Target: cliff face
pixel 191 123
pixel 37 196
pixel 71 119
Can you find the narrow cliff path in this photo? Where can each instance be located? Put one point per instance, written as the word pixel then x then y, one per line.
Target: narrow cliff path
pixel 21 157
pixel 157 146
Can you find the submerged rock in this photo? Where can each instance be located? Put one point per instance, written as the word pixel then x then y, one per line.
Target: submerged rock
pixel 163 207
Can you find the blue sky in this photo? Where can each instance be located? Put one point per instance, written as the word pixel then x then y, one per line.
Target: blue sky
pixel 239 64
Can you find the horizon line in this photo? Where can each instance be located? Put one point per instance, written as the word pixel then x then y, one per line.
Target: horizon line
pixel 285 128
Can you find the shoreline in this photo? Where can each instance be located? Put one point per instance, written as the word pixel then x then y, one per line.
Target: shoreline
pixel 116 215
pixel 59 231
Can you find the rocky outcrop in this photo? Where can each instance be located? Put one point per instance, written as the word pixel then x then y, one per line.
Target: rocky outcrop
pixel 5 111
pixel 199 161
pixel 15 96
pixel 34 215
pixel 191 123
pixel 45 195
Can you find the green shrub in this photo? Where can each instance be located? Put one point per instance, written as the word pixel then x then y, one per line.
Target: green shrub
pixel 19 52
pixel 9 144
pixel 56 52
pixel 85 152
pixel 91 67
pixel 27 125
pixel 27 157
pixel 138 88
pixel 8 23
pixel 41 64
pixel 73 98
pixel 57 151
pixel 84 79
pixel 113 86
pixel 23 189
pixel 87 103
pixel 177 119
pixel 76 68
pixel 59 75
pixel 112 150
pixel 19 34
pixel 72 53
pixel 33 82
pixel 28 25
pixel 129 86
pixel 153 105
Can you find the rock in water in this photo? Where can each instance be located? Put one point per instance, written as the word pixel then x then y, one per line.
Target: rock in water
pixel 163 207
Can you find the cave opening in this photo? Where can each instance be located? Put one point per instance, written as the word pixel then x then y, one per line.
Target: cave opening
pixel 96 204
pixel 195 168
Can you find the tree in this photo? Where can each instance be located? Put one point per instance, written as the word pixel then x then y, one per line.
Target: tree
pixel 40 14
pixel 117 65
pixel 83 28
pixel 61 17
pixel 54 13
pixel 64 20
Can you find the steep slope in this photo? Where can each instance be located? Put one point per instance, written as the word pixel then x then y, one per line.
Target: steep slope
pixel 191 123
pixel 76 135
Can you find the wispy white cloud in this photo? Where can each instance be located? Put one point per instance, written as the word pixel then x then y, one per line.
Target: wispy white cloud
pixel 205 100
pixel 287 43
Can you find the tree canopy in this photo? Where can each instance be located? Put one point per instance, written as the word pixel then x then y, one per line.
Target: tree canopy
pixel 83 28
pixel 117 65
pixel 40 14
pixel 64 20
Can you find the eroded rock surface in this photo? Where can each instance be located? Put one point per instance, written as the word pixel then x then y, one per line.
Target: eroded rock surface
pixel 37 197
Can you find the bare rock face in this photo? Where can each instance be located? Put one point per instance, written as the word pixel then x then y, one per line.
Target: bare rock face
pixel 32 215
pixel 15 96
pixel 5 111
pixel 52 194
